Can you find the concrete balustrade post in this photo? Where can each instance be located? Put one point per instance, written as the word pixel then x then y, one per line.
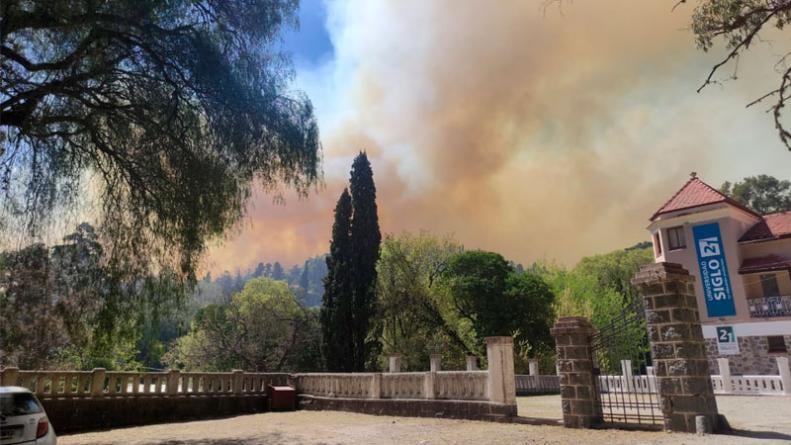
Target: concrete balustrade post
pixel 97 382
pixel 435 361
pixel 501 380
pixel 174 377
pixel 785 374
pixel 9 376
pixel 575 370
pixel 628 375
pixel 395 362
pixel 238 380
pixel 376 386
pixel 532 367
pixel 428 384
pixel 472 363
pixel 725 375
pixel 677 347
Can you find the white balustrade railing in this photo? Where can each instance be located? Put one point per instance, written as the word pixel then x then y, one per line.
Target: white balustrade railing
pixel 461 385
pixel 778 306
pixel 537 384
pixel 448 385
pixel 726 383
pixel 344 385
pixel 722 383
pixel 101 383
pixel 403 385
pixel 627 384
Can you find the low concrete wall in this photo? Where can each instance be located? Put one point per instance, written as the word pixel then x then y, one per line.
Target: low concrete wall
pixel 454 409
pixel 73 415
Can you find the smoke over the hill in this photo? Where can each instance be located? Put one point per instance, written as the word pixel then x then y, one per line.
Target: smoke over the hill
pixel 538 134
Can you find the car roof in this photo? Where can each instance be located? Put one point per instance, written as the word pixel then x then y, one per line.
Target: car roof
pixel 13 390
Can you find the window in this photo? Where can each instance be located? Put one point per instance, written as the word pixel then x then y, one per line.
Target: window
pixel 657 244
pixel 769 285
pixel 676 239
pixel 18 404
pixel 777 343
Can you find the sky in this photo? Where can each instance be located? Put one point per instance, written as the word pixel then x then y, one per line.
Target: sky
pixel 539 133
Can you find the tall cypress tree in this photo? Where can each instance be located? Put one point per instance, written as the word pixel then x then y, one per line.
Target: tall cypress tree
pixel 336 303
pixel 365 240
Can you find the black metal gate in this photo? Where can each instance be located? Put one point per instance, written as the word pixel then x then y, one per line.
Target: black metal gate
pixel 626 392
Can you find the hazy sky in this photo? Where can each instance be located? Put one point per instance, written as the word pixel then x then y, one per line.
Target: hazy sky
pixel 534 133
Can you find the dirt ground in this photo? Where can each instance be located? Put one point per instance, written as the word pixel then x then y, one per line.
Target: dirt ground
pixel 761 420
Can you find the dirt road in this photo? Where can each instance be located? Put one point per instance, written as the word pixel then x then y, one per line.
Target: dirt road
pixel 767 418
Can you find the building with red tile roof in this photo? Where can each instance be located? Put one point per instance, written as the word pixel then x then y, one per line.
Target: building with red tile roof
pixel 742 264
pixel 771 227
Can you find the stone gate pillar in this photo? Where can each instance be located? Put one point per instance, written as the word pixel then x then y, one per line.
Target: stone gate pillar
pixel 501 380
pixel 677 346
pixel 575 368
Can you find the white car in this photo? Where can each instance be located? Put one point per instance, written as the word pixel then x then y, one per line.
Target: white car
pixel 22 418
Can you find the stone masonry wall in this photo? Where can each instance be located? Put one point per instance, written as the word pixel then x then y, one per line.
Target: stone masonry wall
pixel 753 358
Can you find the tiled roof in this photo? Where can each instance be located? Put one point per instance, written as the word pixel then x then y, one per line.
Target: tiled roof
pixel 765 264
pixel 772 226
pixel 696 193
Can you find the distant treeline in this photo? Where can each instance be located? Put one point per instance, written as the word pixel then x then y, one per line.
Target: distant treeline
pixel 306 281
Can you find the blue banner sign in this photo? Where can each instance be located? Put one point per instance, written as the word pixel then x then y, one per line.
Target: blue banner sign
pixel 713 270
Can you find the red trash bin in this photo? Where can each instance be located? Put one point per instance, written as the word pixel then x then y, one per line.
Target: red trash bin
pixel 281 398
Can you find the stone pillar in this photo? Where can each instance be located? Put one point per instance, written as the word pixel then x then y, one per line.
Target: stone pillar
pixel 575 368
pixel 9 376
pixel 532 367
pixel 677 346
pixel 435 361
pixel 725 374
pixel 501 380
pixel 472 363
pixel 376 386
pixel 97 382
pixel 174 376
pixel 785 374
pixel 395 362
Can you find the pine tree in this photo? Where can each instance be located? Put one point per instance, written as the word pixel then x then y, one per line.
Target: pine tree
pixel 304 283
pixel 277 272
pixel 365 241
pixel 336 308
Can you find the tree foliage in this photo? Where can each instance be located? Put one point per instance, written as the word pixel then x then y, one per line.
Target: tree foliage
pixel 414 316
pixel 599 288
pixel 487 290
pixel 763 193
pixel 262 329
pixel 365 239
pixel 165 111
pixel 350 285
pixel 67 306
pixel 616 269
pixel 337 301
pixel 30 331
pixel 738 24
